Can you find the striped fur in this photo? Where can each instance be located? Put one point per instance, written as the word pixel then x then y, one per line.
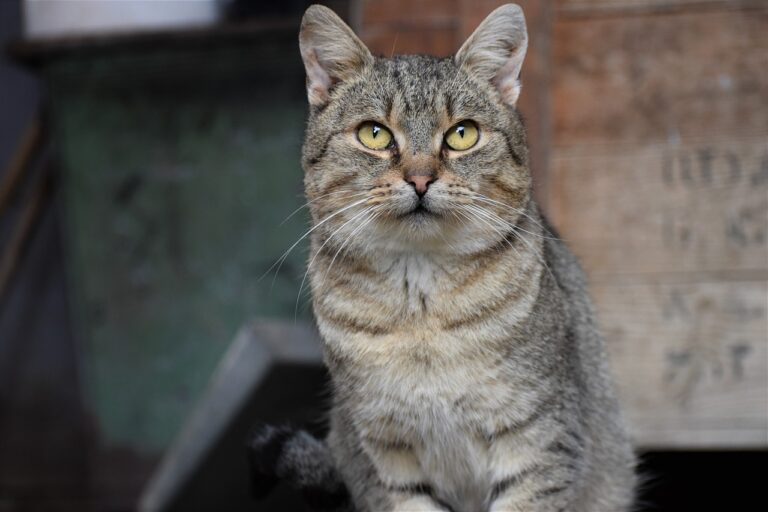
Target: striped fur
pixel 467 368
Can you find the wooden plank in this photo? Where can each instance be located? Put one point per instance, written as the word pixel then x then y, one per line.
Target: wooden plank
pixel 12 253
pixel 659 182
pixel 660 78
pixel 36 51
pixel 675 239
pixel 593 7
pixel 19 166
pixel 271 373
pixel 691 360
pixel 696 208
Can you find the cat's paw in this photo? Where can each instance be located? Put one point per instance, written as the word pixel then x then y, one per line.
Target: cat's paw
pixel 418 504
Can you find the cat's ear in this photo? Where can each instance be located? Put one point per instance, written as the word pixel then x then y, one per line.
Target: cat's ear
pixel 331 52
pixel 496 49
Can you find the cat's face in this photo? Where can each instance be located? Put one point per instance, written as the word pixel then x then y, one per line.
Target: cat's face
pixel 414 153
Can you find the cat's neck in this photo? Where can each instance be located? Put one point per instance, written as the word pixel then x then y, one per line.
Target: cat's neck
pixel 421 274
pixel 417 280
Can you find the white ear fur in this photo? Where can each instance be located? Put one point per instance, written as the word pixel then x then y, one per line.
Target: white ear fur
pixel 496 49
pixel 331 52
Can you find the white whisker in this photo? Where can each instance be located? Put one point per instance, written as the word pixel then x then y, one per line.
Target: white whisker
pixel 314 257
pixel 481 197
pixel 494 228
pixel 516 227
pixel 375 211
pixel 282 258
pixel 306 205
pixel 519 236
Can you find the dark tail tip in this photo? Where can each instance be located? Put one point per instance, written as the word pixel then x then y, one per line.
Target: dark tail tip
pixel 282 453
pixel 264 451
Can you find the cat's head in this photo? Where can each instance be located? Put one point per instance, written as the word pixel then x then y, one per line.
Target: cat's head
pixel 415 153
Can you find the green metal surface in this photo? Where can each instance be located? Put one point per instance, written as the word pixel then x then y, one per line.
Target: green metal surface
pixel 178 167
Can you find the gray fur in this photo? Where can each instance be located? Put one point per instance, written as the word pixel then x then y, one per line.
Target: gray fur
pixel 468 370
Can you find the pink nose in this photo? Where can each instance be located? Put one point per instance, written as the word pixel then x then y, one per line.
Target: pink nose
pixel 420 182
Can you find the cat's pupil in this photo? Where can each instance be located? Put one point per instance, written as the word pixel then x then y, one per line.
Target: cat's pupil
pixel 375 131
pixel 460 131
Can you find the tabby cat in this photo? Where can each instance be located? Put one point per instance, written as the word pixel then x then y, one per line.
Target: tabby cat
pixel 467 369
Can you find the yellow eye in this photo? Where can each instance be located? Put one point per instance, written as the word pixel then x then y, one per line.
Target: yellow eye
pixel 374 136
pixel 462 136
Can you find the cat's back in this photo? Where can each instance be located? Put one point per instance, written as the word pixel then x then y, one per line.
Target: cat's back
pixel 612 475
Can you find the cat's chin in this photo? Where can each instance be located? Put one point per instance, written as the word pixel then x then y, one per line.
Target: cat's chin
pixel 419 214
pixel 426 231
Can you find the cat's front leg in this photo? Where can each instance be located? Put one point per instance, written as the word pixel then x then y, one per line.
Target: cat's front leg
pixel 537 489
pixel 535 479
pixel 535 498
pixel 401 476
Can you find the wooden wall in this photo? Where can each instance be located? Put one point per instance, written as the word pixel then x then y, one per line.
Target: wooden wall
pixel 659 181
pixel 649 130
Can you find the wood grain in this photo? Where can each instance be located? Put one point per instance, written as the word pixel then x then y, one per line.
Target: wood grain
pixel 675 240
pixel 691 360
pixel 659 182
pixel 660 78
pixel 595 7
pixel 698 208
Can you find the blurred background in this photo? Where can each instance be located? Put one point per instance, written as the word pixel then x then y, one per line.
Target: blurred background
pixel 149 154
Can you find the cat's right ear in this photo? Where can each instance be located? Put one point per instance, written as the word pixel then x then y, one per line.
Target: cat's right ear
pixel 331 52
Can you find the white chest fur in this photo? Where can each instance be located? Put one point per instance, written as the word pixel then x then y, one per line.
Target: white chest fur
pixel 417 275
pixel 435 387
pixel 436 415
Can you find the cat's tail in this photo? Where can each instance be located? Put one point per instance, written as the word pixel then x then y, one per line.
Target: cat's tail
pixel 303 461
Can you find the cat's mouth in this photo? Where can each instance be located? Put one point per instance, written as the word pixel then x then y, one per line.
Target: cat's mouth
pixel 420 210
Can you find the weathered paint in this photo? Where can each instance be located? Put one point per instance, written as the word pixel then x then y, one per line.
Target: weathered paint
pixel 178 167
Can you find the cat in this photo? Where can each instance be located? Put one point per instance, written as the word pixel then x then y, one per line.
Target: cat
pixel 467 370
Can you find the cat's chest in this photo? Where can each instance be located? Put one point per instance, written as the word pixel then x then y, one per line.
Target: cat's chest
pixel 446 438
pixel 426 356
pixel 422 397
pixel 446 415
pixel 415 283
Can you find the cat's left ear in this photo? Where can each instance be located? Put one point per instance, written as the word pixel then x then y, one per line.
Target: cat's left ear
pixel 496 49
pixel 331 52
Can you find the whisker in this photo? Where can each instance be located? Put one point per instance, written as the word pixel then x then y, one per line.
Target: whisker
pixel 494 228
pixel 282 258
pixel 461 216
pixel 538 253
pixel 516 226
pixel 314 257
pixel 484 198
pixel 374 213
pixel 306 205
pixel 445 240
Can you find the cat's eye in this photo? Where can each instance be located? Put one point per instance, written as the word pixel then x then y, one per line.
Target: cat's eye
pixel 462 136
pixel 374 136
